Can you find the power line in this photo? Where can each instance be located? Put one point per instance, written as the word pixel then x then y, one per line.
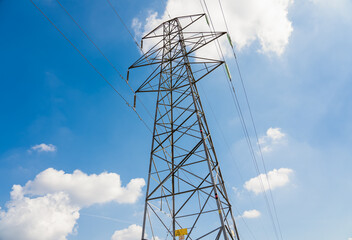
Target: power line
pixel 101 52
pixel 140 48
pixel 252 119
pixel 239 111
pixel 231 153
pixel 95 45
pixel 136 42
pixel 228 147
pixel 238 108
pixel 118 15
pixel 167 11
pixel 95 69
pixel 244 127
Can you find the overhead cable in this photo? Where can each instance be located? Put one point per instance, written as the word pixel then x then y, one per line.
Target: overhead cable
pixel 91 64
pixel 243 123
pixel 251 116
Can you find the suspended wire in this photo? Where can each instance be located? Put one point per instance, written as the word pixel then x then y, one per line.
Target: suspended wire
pixel 127 29
pixel 106 59
pixel 137 44
pixel 112 65
pixel 230 151
pixel 251 116
pixel 245 223
pixel 167 11
pixel 140 48
pixel 95 45
pixel 234 97
pixel 118 15
pixel 245 130
pixel 222 132
pixel 91 64
pixel 244 127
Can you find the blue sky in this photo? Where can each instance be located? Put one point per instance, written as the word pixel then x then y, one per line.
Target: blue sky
pixel 49 94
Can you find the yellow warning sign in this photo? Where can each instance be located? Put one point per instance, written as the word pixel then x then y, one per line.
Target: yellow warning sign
pixel 181 232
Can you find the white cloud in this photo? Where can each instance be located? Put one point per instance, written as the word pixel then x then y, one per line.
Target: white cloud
pixel 251 214
pixel 133 232
pixel 274 136
pixel 137 27
pixel 85 190
pixel 44 148
pixel 51 217
pixel 51 208
pixel 265 21
pixel 277 178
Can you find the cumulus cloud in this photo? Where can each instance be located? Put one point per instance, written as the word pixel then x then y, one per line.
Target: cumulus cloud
pixel 50 217
pixel 47 208
pixel 83 189
pixel 277 178
pixel 251 214
pixel 44 148
pixel 133 232
pixel 265 21
pixel 274 136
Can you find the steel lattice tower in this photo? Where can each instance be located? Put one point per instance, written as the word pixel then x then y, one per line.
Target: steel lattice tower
pixel 185 186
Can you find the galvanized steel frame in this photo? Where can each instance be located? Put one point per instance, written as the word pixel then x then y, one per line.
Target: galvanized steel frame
pixel 182 148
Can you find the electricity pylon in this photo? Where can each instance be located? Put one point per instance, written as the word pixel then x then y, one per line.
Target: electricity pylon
pixel 186 195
